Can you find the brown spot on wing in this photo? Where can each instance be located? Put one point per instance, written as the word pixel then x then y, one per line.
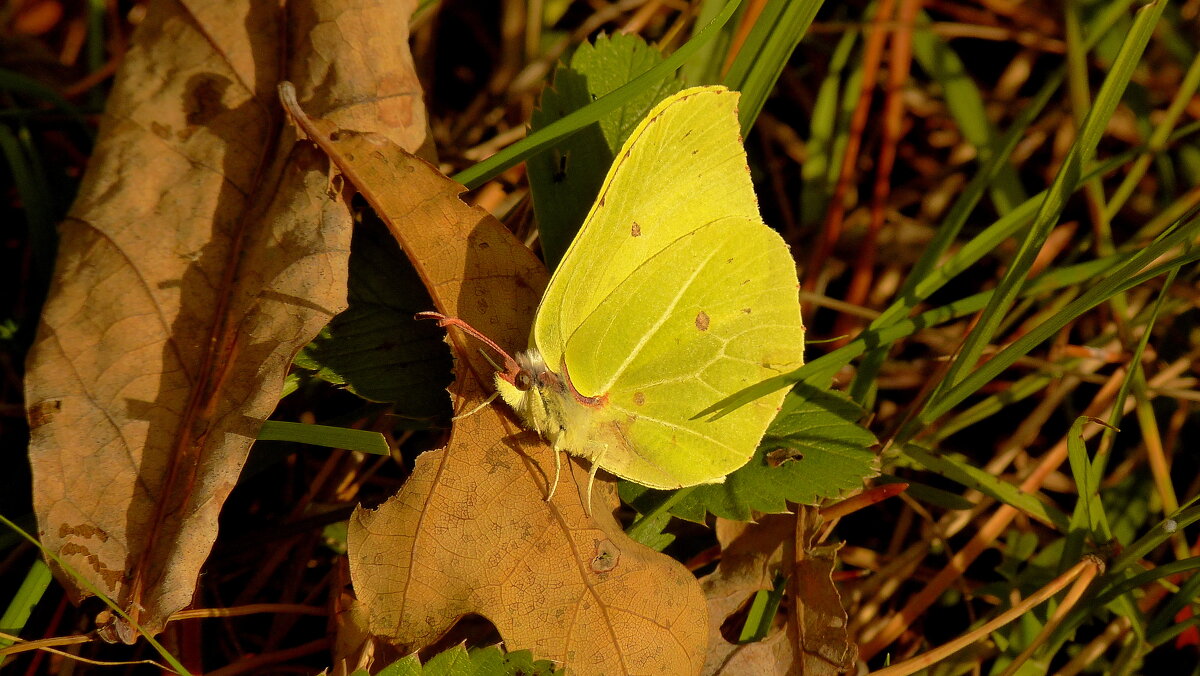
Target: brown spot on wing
pixel 636 230
pixel 702 321
pixel 639 398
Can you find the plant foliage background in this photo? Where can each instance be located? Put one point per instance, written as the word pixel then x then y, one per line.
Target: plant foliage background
pixel 993 212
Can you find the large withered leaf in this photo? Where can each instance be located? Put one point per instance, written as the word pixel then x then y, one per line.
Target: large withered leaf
pixel 204 249
pixel 470 531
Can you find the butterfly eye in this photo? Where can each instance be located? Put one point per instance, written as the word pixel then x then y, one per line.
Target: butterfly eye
pixel 523 381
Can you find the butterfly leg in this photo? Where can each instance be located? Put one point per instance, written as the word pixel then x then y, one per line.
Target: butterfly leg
pixel 595 460
pixel 557 471
pixel 591 480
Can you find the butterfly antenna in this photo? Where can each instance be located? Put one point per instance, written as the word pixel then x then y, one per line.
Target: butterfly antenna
pixel 510 369
pixel 488 358
pixel 475 410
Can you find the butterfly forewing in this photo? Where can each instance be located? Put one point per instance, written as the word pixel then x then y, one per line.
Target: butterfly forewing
pixel 681 168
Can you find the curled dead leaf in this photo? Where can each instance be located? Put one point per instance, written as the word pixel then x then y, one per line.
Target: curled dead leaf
pixel 810 634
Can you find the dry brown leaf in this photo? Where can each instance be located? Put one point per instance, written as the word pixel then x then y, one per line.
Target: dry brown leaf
pixel 826 647
pixel 470 531
pixel 753 553
pixel 751 556
pixel 203 251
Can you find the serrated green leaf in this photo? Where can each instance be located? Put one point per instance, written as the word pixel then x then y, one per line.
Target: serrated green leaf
pixel 492 661
pixel 452 662
pixel 813 450
pixel 565 181
pixel 648 528
pixel 458 661
pixel 407 666
pixel 376 348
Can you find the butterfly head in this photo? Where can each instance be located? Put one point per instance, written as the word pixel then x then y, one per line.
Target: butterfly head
pixel 528 389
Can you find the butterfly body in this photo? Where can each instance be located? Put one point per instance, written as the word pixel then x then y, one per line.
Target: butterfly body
pixel 548 404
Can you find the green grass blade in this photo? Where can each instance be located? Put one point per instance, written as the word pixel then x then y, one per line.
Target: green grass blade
pixel 17 83
pixel 965 104
pixel 1089 512
pixel 821 164
pixel 40 215
pixel 819 371
pixel 324 435
pixel 1166 528
pixel 930 273
pixel 1068 177
pixel 1158 138
pixel 95 591
pixel 762 612
pixel 972 477
pixel 32 588
pixel 706 65
pixel 1158 628
pixel 1119 581
pixel 766 51
pixel 1120 280
pixel 1144 578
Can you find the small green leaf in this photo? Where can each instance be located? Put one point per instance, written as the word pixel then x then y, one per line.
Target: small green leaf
pixel 541 141
pixel 565 181
pixel 648 528
pixel 408 666
pixel 376 348
pixel 458 661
